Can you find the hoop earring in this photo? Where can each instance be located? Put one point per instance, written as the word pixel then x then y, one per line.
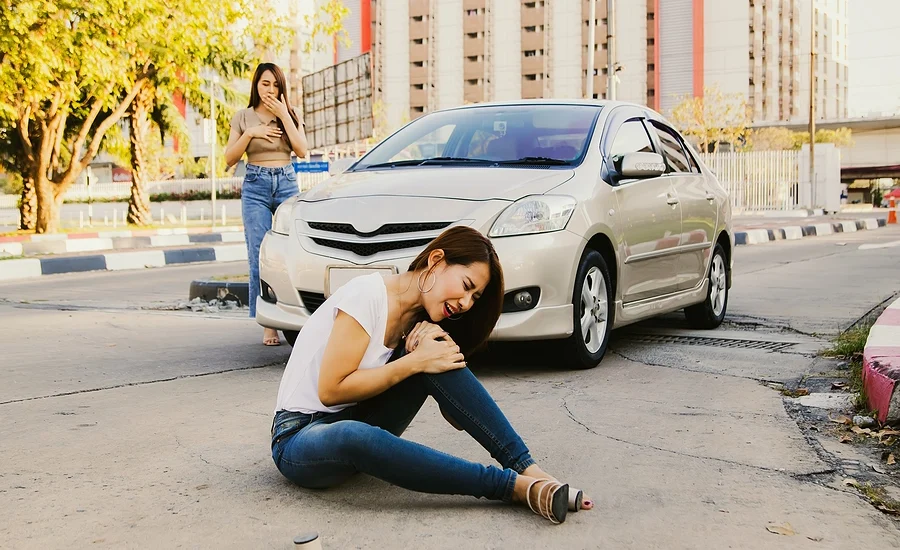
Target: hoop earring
pixel 419 282
pixel 457 318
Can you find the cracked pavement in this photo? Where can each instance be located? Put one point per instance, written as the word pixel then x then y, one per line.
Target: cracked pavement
pixel 125 425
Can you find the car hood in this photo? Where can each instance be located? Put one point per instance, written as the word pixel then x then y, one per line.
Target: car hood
pixel 466 183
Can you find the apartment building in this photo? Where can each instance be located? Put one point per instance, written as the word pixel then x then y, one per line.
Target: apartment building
pixel 434 54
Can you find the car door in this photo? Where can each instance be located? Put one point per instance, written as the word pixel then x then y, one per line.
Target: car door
pixel 648 221
pixel 698 206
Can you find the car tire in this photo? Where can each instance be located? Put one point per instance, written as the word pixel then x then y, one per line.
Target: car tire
pixel 592 312
pixel 290 336
pixel 710 313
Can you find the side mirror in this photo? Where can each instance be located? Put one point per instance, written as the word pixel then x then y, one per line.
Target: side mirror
pixel 641 165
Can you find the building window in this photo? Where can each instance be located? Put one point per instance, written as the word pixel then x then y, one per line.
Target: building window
pixel 418 18
pixel 650 16
pixel 472 58
pixel 531 29
pixel 651 66
pixel 418 41
pixel 530 53
pixel 472 13
pixel 530 77
pixel 472 82
pixel 472 35
pixel 418 86
pixel 530 4
pixel 651 41
pixel 418 109
pixel 418 63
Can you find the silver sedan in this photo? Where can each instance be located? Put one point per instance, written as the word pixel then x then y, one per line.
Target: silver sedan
pixel 601 212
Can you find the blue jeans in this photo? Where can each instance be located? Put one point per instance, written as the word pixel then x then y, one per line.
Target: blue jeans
pixel 263 190
pixel 325 449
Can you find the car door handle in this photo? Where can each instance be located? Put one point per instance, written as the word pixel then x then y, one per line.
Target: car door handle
pixel 710 196
pixel 672 201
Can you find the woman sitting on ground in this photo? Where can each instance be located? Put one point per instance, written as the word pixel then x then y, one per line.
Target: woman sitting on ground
pixel 367 359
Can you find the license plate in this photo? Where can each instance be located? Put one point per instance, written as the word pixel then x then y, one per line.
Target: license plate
pixel 338 276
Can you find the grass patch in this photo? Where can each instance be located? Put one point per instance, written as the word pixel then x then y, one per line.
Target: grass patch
pixel 849 345
pixel 879 498
pixel 231 278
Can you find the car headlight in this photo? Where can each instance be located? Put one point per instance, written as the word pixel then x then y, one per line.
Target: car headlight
pixel 283 216
pixel 534 214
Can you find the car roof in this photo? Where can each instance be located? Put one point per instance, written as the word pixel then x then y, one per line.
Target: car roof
pixel 604 103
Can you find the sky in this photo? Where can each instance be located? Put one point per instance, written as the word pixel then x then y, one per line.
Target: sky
pixel 874 55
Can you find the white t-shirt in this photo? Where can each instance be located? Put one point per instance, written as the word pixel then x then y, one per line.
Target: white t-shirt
pixel 363 298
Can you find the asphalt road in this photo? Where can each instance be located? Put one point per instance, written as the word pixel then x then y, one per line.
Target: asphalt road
pixel 127 424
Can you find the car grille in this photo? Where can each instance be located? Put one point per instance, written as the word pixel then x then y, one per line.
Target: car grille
pixel 387 229
pixel 369 249
pixel 312 300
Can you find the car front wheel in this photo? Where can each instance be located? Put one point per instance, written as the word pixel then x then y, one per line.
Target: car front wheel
pixel 710 313
pixel 593 312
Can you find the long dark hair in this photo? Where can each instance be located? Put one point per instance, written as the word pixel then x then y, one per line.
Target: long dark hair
pixel 466 246
pixel 255 100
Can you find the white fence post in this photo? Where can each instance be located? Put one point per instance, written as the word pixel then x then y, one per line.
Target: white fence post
pixel 758 180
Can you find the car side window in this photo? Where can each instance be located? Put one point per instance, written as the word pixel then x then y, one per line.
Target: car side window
pixel 672 149
pixel 631 138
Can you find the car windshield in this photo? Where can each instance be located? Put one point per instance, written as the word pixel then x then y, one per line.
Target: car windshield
pixel 509 135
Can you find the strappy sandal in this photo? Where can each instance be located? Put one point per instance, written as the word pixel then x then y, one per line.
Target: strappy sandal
pixel 553 500
pixel 576 499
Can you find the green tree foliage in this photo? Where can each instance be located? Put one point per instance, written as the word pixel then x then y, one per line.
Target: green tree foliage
pixel 713 119
pixel 71 70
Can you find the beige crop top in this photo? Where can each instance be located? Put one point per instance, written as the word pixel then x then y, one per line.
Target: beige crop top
pixel 260 149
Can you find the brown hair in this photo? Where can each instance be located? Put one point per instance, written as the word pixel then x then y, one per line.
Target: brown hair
pixel 466 246
pixel 255 100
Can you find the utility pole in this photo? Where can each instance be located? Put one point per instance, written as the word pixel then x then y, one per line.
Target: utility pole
pixel 592 41
pixel 212 153
pixel 812 104
pixel 611 49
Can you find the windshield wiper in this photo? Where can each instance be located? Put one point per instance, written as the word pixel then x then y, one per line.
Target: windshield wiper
pixel 431 160
pixel 537 161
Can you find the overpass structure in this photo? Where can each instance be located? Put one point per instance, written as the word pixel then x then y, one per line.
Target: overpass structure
pixel 875 152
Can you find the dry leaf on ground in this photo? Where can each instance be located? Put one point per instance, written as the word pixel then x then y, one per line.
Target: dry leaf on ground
pixel 841 419
pixel 846 438
pixel 890 459
pixel 858 430
pixel 785 530
pixel 886 433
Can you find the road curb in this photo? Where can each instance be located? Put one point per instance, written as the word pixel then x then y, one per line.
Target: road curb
pixel 124 234
pixel 118 261
pixel 220 290
pixel 795 232
pixel 881 365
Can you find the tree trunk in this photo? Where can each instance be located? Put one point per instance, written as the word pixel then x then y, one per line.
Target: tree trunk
pixel 48 206
pixel 140 126
pixel 28 206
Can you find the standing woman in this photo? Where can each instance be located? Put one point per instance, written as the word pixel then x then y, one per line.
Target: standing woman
pixel 268 130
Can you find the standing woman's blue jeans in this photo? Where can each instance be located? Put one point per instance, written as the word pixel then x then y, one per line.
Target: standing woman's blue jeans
pixel 263 190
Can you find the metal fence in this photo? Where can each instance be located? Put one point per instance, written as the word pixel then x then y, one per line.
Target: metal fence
pixel 758 180
pixel 122 190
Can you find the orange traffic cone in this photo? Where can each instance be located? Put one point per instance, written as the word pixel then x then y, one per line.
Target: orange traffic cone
pixel 892 213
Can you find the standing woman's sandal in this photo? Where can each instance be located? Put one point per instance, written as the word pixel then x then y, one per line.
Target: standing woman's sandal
pixel 552 500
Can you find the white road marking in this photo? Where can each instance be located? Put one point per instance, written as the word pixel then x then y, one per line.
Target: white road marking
pixel 879 245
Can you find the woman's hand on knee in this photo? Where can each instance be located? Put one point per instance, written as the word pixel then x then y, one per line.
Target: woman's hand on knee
pixel 436 355
pixel 421 330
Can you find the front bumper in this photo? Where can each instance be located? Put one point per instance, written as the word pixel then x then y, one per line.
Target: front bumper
pixel 548 261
